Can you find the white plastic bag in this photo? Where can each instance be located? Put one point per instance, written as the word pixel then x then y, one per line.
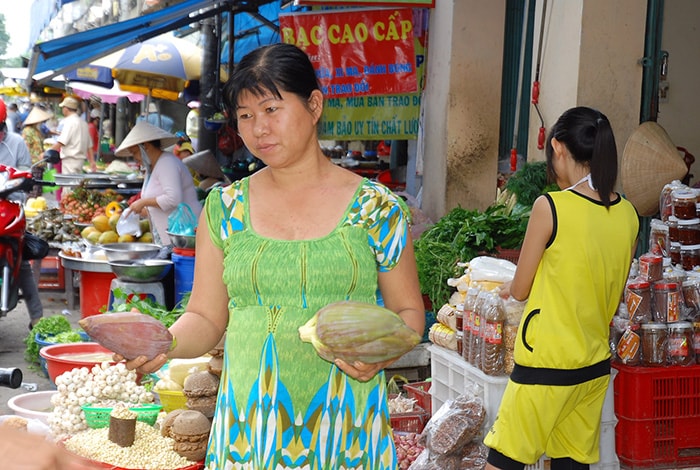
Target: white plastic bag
pixel 128 223
pixel 487 268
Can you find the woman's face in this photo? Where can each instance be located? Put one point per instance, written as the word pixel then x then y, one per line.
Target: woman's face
pixel 278 131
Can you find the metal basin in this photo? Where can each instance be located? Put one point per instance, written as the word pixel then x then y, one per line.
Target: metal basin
pixel 182 241
pixel 126 251
pixel 141 270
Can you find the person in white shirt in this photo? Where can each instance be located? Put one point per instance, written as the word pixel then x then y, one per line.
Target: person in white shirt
pixel 74 142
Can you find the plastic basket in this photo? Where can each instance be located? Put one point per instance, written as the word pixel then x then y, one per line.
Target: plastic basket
pixel 98 417
pixel 414 421
pixel 171 399
pixel 658 412
pixel 420 391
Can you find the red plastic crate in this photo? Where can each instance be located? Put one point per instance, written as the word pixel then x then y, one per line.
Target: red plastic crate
pixel 420 391
pixel 414 421
pixel 658 412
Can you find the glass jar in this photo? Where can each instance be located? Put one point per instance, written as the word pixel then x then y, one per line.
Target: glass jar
pixel 658 238
pixel 690 256
pixel 675 253
pixel 680 344
pixel 672 223
pixel 654 344
pixel 691 293
pixel 666 301
pixel 638 301
pixel 651 267
pixel 684 201
pixel 689 232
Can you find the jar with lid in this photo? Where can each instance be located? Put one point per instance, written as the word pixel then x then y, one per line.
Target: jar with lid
pixel 638 301
pixel 691 293
pixel 689 231
pixel 651 267
pixel 667 297
pixel 672 223
pixel 690 256
pixel 658 238
pixel 684 203
pixel 675 253
pixel 654 344
pixel 680 343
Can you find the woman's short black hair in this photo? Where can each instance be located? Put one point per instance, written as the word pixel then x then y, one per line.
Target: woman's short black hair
pixel 272 69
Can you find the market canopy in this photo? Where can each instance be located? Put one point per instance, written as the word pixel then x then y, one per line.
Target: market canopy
pixel 63 54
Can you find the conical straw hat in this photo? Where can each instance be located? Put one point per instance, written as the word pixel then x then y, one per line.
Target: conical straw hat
pixel 205 164
pixel 649 162
pixel 143 132
pixel 35 116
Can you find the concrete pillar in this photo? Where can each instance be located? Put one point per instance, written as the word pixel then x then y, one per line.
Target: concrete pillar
pixel 459 148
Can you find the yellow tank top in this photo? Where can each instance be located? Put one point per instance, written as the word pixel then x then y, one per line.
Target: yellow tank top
pixel 578 284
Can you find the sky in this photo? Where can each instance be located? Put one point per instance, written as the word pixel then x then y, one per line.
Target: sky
pixel 17 25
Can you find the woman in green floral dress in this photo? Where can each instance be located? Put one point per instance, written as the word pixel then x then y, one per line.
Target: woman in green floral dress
pixel 272 249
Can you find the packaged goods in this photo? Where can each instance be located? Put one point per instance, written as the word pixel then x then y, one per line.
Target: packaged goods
pixel 690 256
pixel 457 422
pixel 696 341
pixel 672 224
pixel 628 347
pixel 477 329
pixel 658 238
pixel 469 313
pixel 666 302
pixel 443 336
pixel 130 334
pixel 689 231
pixel 493 348
pixel 666 199
pixel 356 331
pixel 447 315
pixel 683 203
pixel 691 293
pixel 654 344
pixel 651 267
pixel 675 253
pixel 681 351
pixel 638 301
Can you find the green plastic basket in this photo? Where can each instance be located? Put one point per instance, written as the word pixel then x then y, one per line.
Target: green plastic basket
pixel 98 417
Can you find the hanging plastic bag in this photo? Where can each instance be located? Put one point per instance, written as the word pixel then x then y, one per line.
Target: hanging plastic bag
pixel 34 247
pixel 129 223
pixel 182 220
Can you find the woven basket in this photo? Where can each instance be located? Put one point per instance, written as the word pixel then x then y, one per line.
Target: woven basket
pixel 98 417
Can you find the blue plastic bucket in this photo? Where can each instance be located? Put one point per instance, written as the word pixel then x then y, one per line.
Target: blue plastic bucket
pixel 184 275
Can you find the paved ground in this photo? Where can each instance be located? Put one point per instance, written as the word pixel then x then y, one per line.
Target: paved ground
pixel 13 331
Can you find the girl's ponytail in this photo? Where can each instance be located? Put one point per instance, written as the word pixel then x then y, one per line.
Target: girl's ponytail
pixel 603 162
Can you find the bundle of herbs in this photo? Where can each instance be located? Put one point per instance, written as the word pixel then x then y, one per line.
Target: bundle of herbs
pixel 463 234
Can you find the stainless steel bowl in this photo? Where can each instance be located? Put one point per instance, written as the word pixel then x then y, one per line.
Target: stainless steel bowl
pixel 182 241
pixel 126 251
pixel 141 270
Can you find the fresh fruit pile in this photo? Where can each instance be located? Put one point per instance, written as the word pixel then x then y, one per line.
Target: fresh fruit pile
pixel 84 204
pixel 103 229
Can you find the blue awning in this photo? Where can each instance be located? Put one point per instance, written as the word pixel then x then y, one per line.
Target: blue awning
pixel 63 54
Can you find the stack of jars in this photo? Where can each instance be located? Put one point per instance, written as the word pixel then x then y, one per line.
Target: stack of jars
pixel 656 324
pixel 679 228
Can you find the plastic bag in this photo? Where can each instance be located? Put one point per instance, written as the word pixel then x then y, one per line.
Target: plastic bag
pixel 487 268
pixel 457 422
pixel 129 223
pixel 182 220
pixel 34 247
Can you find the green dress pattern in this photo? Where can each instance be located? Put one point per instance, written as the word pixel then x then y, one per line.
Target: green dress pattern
pixel 280 405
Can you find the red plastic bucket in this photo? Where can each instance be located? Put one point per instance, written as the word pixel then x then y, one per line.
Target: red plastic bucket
pixel 94 291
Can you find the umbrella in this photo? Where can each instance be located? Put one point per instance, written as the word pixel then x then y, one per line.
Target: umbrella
pixel 159 67
pixel 107 95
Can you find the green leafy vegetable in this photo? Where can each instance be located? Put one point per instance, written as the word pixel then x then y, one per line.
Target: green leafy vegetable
pixel 46 327
pixel 147 307
pixel 529 182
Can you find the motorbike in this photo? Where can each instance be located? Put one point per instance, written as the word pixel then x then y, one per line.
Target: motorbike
pixel 13 224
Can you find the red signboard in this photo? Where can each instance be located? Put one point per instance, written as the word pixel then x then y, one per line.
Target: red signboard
pixel 375 3
pixel 357 52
